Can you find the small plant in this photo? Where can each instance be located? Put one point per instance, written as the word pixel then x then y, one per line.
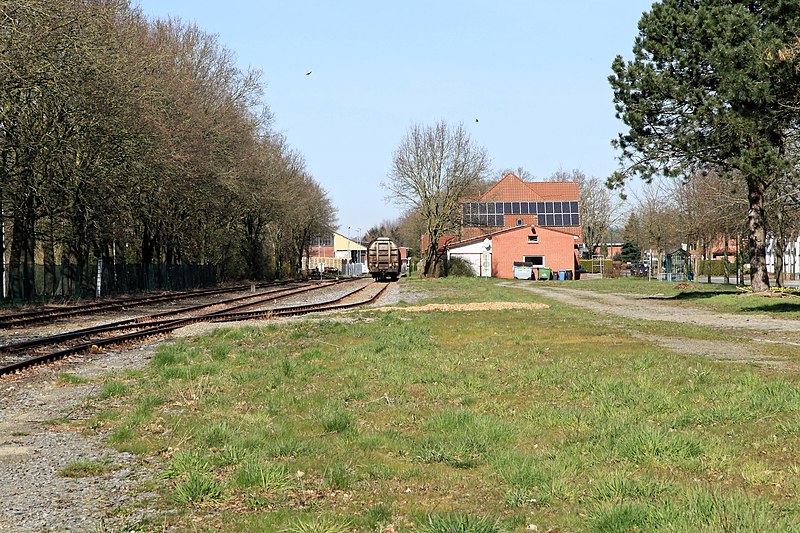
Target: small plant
pixel 85 468
pixel 336 419
pixel 378 515
pixel 196 488
pixel 319 524
pixel 459 523
pixel 72 379
pixel 184 462
pixel 256 474
pixel 112 389
pixel 623 517
pixel 338 476
pixel 461 439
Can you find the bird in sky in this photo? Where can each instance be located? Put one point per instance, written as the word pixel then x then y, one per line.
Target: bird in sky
pixel 476 120
pixel 308 73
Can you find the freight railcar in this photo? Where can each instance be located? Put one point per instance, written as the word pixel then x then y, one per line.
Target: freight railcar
pixel 383 259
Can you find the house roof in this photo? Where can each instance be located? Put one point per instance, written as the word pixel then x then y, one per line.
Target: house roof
pixel 512 188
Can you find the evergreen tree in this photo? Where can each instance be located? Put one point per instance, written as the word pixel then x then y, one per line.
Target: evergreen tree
pixel 713 85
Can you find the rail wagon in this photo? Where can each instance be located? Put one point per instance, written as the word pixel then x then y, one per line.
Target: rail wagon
pixel 383 259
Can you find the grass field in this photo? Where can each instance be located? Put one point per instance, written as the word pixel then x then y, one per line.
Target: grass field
pixel 457 421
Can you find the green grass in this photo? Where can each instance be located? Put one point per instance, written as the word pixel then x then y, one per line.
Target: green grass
pixel 85 468
pixel 460 421
pixel 71 379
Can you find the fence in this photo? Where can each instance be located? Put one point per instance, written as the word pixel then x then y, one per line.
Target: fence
pixel 44 283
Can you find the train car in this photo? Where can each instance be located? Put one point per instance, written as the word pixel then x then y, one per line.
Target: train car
pixel 383 259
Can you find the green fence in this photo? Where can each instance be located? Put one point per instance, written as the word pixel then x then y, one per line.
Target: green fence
pixel 40 283
pixel 595 267
pixel 716 266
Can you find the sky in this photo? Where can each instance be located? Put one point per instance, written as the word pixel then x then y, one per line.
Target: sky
pixel 528 79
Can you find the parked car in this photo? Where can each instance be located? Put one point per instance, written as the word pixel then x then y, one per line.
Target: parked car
pixel 639 269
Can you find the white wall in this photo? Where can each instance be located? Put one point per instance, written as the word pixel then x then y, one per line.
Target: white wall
pixel 791 257
pixel 473 254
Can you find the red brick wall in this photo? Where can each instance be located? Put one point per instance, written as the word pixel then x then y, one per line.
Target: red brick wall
pixel 557 248
pixel 320 251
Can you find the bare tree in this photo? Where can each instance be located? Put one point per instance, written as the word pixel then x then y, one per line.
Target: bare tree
pixel 657 217
pixel 710 206
pixel 432 169
pixel 601 209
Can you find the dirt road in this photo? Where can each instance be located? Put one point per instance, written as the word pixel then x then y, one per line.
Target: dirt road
pixel 742 338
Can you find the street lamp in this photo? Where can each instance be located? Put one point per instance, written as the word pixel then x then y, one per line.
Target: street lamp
pixel 348 250
pixel 358 234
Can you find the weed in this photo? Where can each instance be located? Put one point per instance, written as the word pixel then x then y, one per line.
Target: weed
pixel 378 515
pixel 113 388
pixel 319 524
pixel 72 379
pixel 338 476
pixel 85 468
pixel 457 522
pixel 198 487
pixel 184 462
pixel 334 418
pixel 254 473
pixel 461 439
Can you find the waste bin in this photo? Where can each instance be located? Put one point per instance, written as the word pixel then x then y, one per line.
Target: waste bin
pixel 569 275
pixel 562 275
pixel 523 270
pixel 544 273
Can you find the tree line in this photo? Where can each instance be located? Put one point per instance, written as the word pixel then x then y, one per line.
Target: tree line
pixel 140 140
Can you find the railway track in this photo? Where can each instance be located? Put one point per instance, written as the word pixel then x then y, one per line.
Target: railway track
pixel 51 314
pixel 20 355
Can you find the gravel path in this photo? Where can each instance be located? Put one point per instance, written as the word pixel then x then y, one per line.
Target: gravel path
pixel 760 329
pixel 34 497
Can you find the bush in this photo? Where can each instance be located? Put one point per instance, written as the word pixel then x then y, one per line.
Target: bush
pixel 457 266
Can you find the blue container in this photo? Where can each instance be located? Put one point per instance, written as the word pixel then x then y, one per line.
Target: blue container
pixel 562 275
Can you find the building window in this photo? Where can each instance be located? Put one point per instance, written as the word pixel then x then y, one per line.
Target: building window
pixel 535 260
pixel 532 239
pixel 519 222
pixel 324 240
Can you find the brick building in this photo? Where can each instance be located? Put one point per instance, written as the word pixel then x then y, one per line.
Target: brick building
pixel 515 221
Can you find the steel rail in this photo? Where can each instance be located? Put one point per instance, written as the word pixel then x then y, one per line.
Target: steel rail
pixel 171 325
pixel 298 309
pixel 52 314
pixel 152 320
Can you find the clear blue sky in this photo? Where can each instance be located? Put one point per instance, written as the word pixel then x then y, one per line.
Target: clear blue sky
pixel 532 72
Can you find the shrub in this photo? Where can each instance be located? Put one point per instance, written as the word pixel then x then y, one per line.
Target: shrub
pixel 458 266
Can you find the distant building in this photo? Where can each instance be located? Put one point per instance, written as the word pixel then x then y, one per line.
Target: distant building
pixel 334 251
pixel 537 223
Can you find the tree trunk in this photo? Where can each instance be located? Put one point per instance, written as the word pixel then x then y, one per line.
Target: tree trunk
pixel 726 264
pixel 431 255
pixel 779 245
pixel 49 258
pixel 757 235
